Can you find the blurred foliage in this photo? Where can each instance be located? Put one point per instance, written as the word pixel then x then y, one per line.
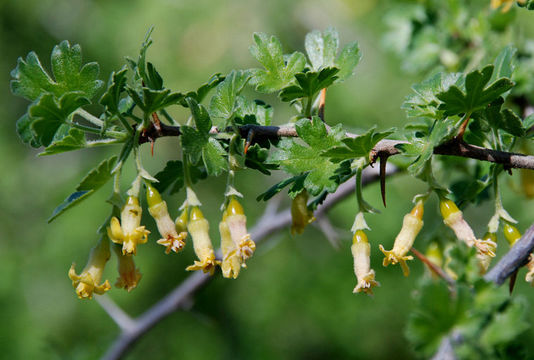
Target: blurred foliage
pixel 295 299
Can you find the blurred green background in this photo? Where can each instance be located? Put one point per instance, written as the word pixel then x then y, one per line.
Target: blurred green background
pixel 295 299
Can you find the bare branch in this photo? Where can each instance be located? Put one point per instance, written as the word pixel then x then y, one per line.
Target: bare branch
pixel 270 223
pixel 115 312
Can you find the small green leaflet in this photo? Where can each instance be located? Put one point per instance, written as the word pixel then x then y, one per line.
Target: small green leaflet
pixel 322 51
pixel 309 84
pixel 253 112
pixel 296 158
pixel 150 100
pixel 31 80
pixel 112 97
pixel 504 63
pixel 256 158
pixel 48 114
pixel 94 180
pixel 203 90
pixel 477 93
pixel 297 182
pixel 506 119
pixel 75 140
pixel 356 147
pixel 172 176
pixel 197 142
pixel 424 103
pixel 423 148
pixel 223 102
pixel 277 73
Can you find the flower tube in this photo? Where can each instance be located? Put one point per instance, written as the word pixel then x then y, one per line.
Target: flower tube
pixel 129 275
pixel 484 259
pixel 87 282
pixel 300 215
pixel 235 218
pixel 199 229
pixel 128 231
pixel 411 226
pixel 231 262
pixel 157 207
pixel 361 251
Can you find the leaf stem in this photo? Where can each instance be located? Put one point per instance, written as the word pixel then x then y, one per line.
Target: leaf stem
pixel 87 116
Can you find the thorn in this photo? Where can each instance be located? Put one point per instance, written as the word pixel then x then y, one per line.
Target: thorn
pixel 383 163
pixel 461 132
pixel 250 137
pixel 157 122
pixel 513 278
pixel 433 267
pixel 322 101
pixel 152 142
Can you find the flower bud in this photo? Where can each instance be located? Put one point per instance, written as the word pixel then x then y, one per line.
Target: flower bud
pixel 361 251
pixel 128 231
pixel 434 255
pixel 236 220
pixel 411 226
pixel 86 283
pixel 199 229
pixel 157 208
pixel 511 233
pixel 300 215
pixel 231 262
pixel 484 259
pixel 529 277
pixel 129 275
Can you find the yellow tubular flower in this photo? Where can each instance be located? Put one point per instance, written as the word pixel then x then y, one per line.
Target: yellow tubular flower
pixel 236 220
pixel 511 233
pixel 411 226
pixel 128 231
pixel 157 208
pixel 361 251
pixel 129 275
pixel 199 230
pixel 231 262
pixel 484 259
pixel 86 283
pixel 300 215
pixel 453 218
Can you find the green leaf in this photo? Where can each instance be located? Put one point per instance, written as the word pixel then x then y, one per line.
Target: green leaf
pixel 48 114
pixel 256 158
pixel 477 93
pixel 505 326
pixel 75 140
pixel 173 173
pixel 277 73
pixel 423 148
pixel 504 63
pixel 25 132
pixel 253 112
pixel 347 61
pixel 213 155
pixel 223 103
pixel 296 158
pixel 322 48
pixel 31 80
pixel 506 119
pixel 276 188
pixel 424 103
pixel 309 84
pixel 94 180
pixel 356 147
pixel 204 89
pixel 150 100
pixel 112 97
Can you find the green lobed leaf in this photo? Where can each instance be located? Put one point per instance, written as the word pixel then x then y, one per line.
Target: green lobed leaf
pixel 505 326
pixel 31 80
pixel 253 112
pixel 296 158
pixel 477 93
pixel 24 131
pixel 504 63
pixel 347 61
pixel 150 100
pixel 48 114
pixel 112 97
pixel 309 84
pixel 173 173
pixel 277 73
pixel 75 140
pixel 322 48
pixel 276 188
pixel 213 156
pixel 356 147
pixel 256 158
pixel 224 101
pixel 94 180
pixel 204 89
pixel 505 119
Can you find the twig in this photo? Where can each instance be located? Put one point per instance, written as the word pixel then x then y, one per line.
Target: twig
pixel 268 224
pixel 115 312
pixel 455 147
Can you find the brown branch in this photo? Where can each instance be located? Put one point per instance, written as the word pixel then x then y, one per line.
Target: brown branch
pixel 270 223
pixel 455 147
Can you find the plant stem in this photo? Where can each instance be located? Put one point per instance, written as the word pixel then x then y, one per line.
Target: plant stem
pixel 87 116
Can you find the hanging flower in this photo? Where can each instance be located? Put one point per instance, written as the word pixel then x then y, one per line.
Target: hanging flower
pixel 129 275
pixel 301 216
pixel 529 277
pixel 235 218
pixel 411 226
pixel 453 218
pixel 128 231
pixel 157 208
pixel 199 229
pixel 231 262
pixel 87 282
pixel 361 251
